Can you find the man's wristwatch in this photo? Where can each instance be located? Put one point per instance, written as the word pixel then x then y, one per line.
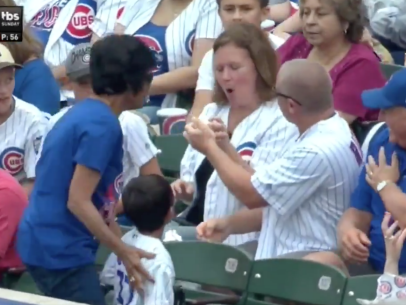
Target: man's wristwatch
pixel 381 185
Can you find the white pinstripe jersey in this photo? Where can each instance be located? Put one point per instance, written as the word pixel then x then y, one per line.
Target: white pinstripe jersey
pixel 258 139
pixel 137 146
pixel 20 138
pixel 160 268
pixel 308 189
pixel 70 22
pixel 199 20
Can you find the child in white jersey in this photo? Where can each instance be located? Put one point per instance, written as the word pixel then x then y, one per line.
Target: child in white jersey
pixel 147 202
pixel 391 286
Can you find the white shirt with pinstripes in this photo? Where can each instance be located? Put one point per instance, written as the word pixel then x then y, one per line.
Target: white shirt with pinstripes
pixel 160 268
pixel 137 146
pixel 258 139
pixel 20 138
pixel 308 189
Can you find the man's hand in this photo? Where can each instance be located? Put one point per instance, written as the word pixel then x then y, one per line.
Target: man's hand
pixel 199 135
pixel 137 275
pixel 220 131
pixel 182 190
pixel 381 171
pixel 213 230
pixel 355 246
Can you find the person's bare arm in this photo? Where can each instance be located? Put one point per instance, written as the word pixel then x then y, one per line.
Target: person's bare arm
pixel 354 218
pixel 151 168
pixel 280 12
pixel 202 98
pixel 245 221
pixel 395 203
pixel 82 186
pixel 290 25
pixel 115 228
pixel 28 185
pixel 185 77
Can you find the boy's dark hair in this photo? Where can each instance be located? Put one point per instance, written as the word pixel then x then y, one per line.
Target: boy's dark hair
pixel 147 201
pixel 119 63
pixel 262 3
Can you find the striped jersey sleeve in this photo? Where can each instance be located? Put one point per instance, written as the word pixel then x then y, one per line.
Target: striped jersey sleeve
pixel 106 16
pixel 209 24
pixel 289 181
pixel 160 292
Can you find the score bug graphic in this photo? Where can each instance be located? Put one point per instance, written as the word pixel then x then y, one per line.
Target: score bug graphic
pixel 11 23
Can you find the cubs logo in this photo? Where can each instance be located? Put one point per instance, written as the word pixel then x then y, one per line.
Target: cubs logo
pixel 385 287
pixel 120 12
pixel 109 201
pixel 246 150
pixel 78 29
pixel 190 42
pixel 156 49
pixel 37 143
pixel 174 125
pixel 12 160
pixel 401 295
pixel 400 282
pixel 118 183
pixel 46 18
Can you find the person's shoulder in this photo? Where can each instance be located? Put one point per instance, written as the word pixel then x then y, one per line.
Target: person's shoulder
pixel 379 138
pixel 28 110
pixel 361 53
pixel 131 118
pixel 57 116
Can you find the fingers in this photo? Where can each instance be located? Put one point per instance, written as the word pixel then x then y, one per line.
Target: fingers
pixel 200 230
pixel 391 230
pixel 395 161
pixel 364 239
pixel 189 189
pixel 385 222
pixel 371 163
pixel 401 238
pixel 382 157
pixel 176 187
pixel 145 254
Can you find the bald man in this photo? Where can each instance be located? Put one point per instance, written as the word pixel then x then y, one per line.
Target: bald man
pixel 296 201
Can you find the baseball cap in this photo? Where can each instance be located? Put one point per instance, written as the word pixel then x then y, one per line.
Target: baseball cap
pixel 393 94
pixel 6 59
pixel 77 63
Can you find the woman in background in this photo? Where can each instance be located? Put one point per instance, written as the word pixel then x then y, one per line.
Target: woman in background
pixel 35 83
pixel 332 31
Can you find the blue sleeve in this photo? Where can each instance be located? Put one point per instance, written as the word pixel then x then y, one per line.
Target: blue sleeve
pixel 41 90
pixel 98 143
pixel 362 196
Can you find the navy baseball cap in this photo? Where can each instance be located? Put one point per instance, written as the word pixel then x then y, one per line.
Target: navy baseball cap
pixel 393 94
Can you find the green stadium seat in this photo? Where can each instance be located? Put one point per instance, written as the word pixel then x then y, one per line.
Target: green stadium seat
pixel 388 69
pixel 360 287
pixel 216 265
pixel 26 284
pixel 172 149
pixel 101 257
pixel 295 280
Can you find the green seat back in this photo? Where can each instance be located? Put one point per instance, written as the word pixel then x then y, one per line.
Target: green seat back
pixel 101 256
pixel 172 149
pixel 296 280
pixel 360 287
pixel 388 69
pixel 26 284
pixel 210 264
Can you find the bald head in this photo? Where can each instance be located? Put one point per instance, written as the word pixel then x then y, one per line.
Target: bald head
pixel 306 82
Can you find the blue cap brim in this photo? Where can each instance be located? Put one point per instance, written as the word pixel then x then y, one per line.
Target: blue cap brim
pixel 375 99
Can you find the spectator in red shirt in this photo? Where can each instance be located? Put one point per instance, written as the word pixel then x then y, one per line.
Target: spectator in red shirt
pixel 13 201
pixel 332 31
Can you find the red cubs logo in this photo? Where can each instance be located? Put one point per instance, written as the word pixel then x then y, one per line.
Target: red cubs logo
pixel 12 160
pixel 385 287
pixel 246 150
pixel 118 183
pixel 120 12
pixel 401 295
pixel 156 49
pixel 400 282
pixel 190 42
pixel 174 125
pixel 82 18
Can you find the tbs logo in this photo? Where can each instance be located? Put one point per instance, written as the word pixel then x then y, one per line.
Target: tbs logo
pixel 7 16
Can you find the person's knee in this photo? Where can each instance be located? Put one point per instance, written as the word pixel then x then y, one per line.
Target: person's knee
pixel 327 258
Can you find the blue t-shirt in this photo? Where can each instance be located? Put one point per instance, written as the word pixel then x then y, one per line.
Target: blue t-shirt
pixel 366 199
pixel 36 85
pixel 49 235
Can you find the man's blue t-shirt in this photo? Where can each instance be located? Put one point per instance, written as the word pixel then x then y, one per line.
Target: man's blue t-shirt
pixel 36 85
pixel 366 199
pixel 49 235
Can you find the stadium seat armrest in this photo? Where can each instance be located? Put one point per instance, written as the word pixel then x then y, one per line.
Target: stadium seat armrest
pixel 227 300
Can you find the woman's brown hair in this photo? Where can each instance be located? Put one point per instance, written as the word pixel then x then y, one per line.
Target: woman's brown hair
pixel 28 48
pixel 256 42
pixel 351 12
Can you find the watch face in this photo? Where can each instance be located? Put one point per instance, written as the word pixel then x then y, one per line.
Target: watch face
pixel 380 186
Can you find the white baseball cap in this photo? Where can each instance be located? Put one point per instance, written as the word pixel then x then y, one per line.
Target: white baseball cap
pixel 6 59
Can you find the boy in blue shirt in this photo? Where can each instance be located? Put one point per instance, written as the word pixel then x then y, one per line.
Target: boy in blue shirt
pixel 79 176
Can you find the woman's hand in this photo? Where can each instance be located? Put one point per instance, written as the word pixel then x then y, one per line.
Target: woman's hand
pixel 199 135
pixel 381 171
pixel 220 131
pixel 182 190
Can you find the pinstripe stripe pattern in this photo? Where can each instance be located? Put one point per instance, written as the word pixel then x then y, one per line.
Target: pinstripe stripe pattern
pixel 160 268
pixel 270 132
pixel 308 189
pixel 137 146
pixel 200 16
pixel 19 136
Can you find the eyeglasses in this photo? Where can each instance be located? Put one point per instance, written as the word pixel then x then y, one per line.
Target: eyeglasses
pixel 288 97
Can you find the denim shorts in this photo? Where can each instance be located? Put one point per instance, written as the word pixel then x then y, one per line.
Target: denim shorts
pixel 79 284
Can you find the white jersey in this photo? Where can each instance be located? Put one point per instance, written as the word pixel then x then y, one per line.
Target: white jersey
pixel 200 20
pixel 160 268
pixel 308 189
pixel 206 71
pixel 69 23
pixel 137 146
pixel 258 139
pixel 20 139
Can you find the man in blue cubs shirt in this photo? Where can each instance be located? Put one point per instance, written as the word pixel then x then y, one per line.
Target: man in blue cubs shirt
pixel 382 184
pixel 79 178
